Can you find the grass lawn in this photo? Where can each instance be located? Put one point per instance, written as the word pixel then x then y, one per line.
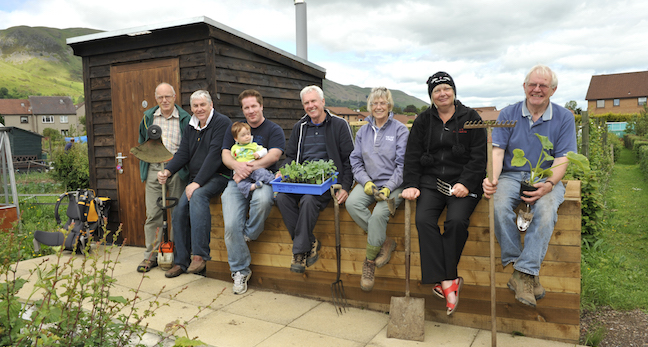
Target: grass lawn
pixel 615 262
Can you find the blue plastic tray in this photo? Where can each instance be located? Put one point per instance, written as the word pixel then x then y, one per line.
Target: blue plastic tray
pixel 302 188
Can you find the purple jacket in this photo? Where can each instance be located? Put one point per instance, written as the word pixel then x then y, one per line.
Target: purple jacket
pixel 379 154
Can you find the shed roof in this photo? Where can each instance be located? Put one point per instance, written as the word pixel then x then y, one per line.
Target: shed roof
pixel 148 29
pixel 52 105
pixel 618 86
pixel 487 112
pixel 343 111
pixel 15 107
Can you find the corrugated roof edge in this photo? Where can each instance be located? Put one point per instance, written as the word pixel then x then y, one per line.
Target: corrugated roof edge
pixel 181 22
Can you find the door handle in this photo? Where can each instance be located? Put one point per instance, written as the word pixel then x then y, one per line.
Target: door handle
pixel 120 159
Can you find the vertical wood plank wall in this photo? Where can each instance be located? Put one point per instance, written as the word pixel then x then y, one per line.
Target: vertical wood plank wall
pixel 556 317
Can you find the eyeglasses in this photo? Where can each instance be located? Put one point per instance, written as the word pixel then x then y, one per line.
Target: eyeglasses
pixel 533 86
pixel 445 89
pixel 162 97
pixel 381 103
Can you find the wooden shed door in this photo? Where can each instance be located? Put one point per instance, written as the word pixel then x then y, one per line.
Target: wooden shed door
pixel 133 92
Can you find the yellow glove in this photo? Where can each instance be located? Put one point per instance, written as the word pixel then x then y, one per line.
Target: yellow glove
pixel 385 191
pixel 368 188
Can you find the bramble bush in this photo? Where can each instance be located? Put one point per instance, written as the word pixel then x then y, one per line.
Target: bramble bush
pixel 56 312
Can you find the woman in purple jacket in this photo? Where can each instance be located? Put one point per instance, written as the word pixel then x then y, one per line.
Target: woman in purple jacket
pixel 377 164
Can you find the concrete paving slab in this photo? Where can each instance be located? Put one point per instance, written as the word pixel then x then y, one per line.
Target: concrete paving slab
pixel 436 334
pixel 168 312
pixel 355 324
pixel 292 337
pixel 272 307
pixel 154 281
pixel 224 329
pixel 202 291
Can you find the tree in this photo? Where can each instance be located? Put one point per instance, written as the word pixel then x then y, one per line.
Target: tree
pixel 573 106
pixel 424 107
pixel 410 109
pixel 397 110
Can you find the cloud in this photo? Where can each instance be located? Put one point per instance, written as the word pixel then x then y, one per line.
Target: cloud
pixel 486 46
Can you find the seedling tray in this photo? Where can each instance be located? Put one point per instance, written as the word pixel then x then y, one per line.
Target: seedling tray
pixel 302 188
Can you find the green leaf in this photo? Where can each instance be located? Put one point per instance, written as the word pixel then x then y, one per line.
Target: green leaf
pixel 185 341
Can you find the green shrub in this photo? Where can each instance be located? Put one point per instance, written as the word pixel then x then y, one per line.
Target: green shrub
pixel 642 158
pixel 71 168
pixel 638 124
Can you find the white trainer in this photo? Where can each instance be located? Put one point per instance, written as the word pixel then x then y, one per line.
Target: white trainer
pixel 240 282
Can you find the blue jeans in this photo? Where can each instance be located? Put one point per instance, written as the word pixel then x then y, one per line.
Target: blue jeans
pixel 527 259
pixel 374 223
pixel 192 222
pixel 238 224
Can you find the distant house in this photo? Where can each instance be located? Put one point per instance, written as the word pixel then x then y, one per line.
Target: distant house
pixel 56 112
pixel 348 114
pixel 617 93
pixel 17 113
pixel 487 112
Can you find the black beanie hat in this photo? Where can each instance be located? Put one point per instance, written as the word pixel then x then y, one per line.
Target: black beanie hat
pixel 440 78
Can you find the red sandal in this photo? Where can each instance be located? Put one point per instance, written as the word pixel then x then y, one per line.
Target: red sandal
pixel 438 291
pixel 456 288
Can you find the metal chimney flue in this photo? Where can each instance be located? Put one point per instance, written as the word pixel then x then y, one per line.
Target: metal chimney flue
pixel 302 32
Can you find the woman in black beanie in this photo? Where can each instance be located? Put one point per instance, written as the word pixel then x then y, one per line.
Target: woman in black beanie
pixel 440 149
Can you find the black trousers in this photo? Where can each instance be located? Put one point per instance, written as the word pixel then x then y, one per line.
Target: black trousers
pixel 440 253
pixel 300 213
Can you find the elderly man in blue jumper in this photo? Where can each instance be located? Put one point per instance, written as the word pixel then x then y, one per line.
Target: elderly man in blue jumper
pixel 535 115
pixel 200 151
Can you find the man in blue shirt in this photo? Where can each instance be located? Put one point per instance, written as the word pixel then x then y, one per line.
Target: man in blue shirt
pixel 535 115
pixel 239 228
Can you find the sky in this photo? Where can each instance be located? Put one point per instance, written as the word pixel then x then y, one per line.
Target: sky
pixel 486 46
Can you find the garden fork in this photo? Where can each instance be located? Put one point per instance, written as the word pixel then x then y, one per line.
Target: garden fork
pixel 446 189
pixel 337 287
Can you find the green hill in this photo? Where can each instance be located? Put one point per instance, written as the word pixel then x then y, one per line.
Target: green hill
pixel 353 96
pixel 36 61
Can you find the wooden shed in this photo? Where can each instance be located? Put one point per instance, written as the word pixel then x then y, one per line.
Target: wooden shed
pixel 122 68
pixel 26 148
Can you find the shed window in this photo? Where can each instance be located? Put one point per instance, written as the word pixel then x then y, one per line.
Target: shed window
pixel 63 119
pixel 616 102
pixel 48 119
pixel 641 100
pixel 24 120
pixel 600 103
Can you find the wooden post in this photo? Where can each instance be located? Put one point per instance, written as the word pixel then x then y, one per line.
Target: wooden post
pixel 585 134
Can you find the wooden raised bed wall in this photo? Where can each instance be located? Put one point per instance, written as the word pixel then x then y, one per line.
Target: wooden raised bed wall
pixel 557 316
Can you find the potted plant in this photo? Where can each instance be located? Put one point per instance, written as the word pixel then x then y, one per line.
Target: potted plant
pixel 537 172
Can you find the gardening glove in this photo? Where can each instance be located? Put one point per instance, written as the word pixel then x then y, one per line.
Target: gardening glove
pixel 386 192
pixel 369 187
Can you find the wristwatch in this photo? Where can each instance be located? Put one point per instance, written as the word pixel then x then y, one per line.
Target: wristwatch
pixel 552 184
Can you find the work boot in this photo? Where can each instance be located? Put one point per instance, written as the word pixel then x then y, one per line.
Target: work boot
pixel 522 285
pixel 313 255
pixel 298 263
pixel 367 280
pixel 384 255
pixel 538 290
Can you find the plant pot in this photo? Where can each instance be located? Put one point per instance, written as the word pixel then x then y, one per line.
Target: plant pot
pixel 526 187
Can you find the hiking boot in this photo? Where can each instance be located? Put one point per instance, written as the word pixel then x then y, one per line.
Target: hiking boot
pixel 298 263
pixel 367 280
pixel 240 282
pixel 522 285
pixel 385 252
pixel 146 265
pixel 538 290
pixel 175 271
pixel 197 265
pixel 313 255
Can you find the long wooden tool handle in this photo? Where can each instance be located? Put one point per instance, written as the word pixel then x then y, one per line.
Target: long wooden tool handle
pixel 408 233
pixel 491 225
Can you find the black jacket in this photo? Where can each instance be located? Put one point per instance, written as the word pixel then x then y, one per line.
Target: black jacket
pixel 200 150
pixel 339 145
pixel 446 151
